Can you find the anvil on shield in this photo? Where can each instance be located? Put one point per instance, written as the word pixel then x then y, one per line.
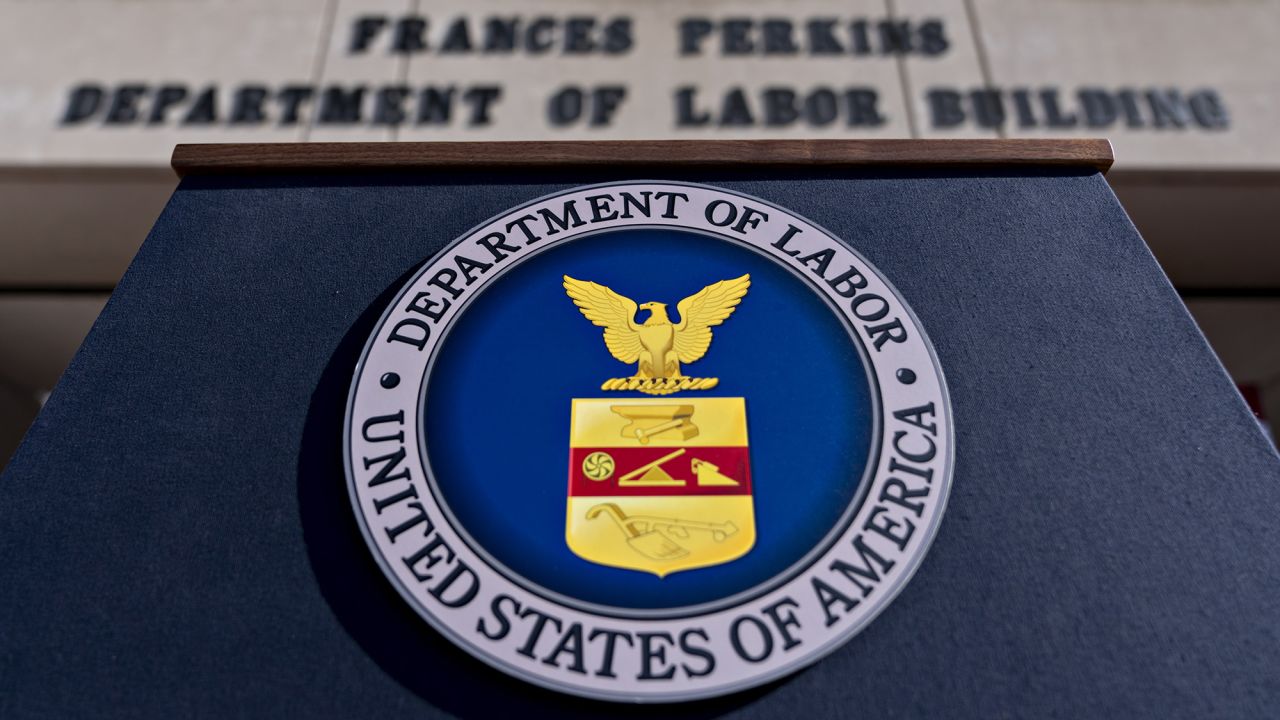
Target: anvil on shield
pixel 658 485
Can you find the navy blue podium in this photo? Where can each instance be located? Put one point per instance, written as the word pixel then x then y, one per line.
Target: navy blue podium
pixel 177 538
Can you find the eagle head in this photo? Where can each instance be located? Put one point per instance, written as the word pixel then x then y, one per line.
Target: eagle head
pixel 657 313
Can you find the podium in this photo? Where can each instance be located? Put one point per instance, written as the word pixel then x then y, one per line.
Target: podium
pixel 178 526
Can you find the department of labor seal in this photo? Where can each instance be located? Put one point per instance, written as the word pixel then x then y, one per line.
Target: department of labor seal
pixel 756 431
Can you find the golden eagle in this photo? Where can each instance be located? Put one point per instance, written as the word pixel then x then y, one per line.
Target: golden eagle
pixel 657 344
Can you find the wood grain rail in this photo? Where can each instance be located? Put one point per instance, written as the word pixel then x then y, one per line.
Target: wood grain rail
pixel 356 157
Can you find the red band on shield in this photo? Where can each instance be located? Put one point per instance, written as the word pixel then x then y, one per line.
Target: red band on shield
pixel 659 471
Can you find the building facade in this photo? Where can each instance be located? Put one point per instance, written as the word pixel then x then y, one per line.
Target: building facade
pixel 95 93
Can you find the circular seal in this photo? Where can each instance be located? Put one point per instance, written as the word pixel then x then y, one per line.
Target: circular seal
pixel 758 439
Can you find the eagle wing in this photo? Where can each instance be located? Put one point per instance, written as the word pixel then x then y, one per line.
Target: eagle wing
pixel 611 311
pixel 699 312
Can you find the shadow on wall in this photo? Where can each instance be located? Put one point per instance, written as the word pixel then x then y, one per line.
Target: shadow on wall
pixel 18 408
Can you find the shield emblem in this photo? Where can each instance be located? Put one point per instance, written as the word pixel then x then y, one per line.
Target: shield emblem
pixel 659 485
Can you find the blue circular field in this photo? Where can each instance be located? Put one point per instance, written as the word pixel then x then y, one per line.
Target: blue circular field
pixel 498 407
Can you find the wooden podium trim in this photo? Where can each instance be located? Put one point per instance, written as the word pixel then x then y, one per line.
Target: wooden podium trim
pixel 193 159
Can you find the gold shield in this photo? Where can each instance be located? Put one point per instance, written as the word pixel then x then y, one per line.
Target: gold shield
pixel 659 486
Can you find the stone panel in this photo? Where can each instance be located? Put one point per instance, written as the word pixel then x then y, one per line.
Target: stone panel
pixel 1228 46
pixel 373 64
pixel 655 68
pixel 958 67
pixel 47 48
